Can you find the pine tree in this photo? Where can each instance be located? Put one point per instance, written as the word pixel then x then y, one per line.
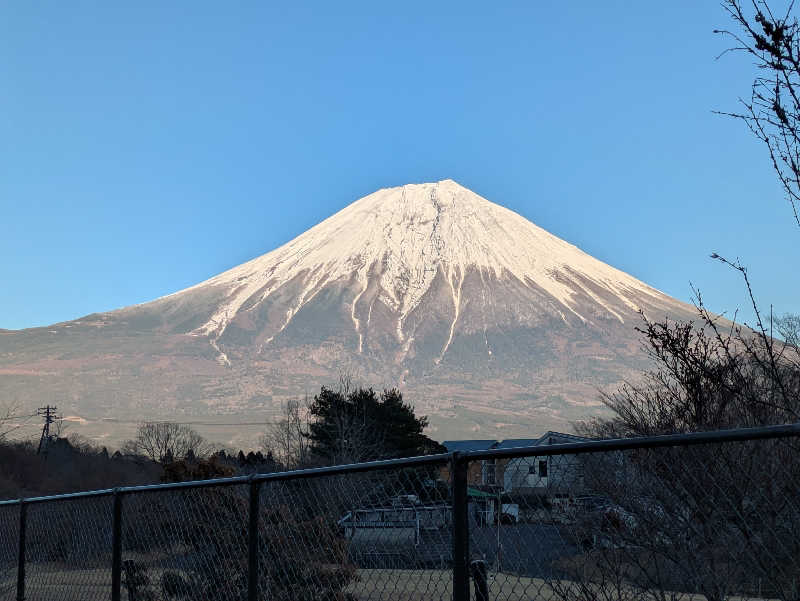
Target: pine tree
pixel 359 425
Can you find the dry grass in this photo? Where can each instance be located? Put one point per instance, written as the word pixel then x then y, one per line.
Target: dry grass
pixel 434 585
pixel 55 581
pixel 430 585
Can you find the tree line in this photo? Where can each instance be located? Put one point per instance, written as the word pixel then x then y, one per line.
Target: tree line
pixel 342 424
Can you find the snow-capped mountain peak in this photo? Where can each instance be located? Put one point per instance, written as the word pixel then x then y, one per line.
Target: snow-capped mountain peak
pixel 400 239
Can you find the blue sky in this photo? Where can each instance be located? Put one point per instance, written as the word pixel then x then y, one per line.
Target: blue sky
pixel 147 146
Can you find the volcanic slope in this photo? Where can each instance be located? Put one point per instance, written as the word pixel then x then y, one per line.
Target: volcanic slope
pixel 489 324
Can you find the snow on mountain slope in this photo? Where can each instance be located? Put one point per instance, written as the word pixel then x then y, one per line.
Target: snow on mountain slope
pixel 408 234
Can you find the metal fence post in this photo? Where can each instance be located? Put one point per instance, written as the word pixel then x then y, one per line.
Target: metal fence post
pixel 116 548
pixel 252 541
pixel 458 469
pixel 23 518
pixel 480 580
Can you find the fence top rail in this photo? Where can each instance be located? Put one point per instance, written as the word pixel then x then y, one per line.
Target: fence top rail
pixel 572 448
pixel 641 442
pixel 350 468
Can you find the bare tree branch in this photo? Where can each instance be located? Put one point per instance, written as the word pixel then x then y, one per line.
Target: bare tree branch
pixel 164 441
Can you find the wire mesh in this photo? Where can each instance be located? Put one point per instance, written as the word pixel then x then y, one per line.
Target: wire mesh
pixel 374 535
pixel 68 550
pixel 9 546
pixel 712 521
pixel 185 544
pixel 715 521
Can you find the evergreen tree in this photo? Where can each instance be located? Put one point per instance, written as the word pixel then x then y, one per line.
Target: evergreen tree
pixel 360 425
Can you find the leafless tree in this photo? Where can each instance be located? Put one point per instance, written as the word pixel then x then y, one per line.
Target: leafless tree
pixel 287 439
pixel 710 519
pixel 161 441
pixel 704 378
pixel 788 327
pixel 82 443
pixel 12 418
pixel 772 113
pixel 718 373
pixel 714 519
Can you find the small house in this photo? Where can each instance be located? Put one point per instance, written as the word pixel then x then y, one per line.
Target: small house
pixel 532 473
pixel 547 474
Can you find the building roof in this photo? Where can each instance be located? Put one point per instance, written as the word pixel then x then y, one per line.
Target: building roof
pixel 510 443
pixel 560 438
pixel 513 443
pixel 469 445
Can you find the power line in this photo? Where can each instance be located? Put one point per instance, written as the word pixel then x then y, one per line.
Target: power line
pixel 19 416
pixel 113 420
pixel 8 425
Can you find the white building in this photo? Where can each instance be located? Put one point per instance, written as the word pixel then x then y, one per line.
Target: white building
pixel 551 474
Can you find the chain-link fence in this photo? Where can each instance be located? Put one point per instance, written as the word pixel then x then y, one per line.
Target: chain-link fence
pixel 702 516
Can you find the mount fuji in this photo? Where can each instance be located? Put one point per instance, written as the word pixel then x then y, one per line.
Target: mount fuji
pixel 487 323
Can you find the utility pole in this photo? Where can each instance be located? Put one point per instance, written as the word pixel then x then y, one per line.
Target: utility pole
pixel 49 414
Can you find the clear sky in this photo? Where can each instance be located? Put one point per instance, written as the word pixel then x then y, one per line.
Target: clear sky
pixel 146 146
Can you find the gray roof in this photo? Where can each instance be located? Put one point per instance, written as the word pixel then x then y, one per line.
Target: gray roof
pixel 512 443
pixel 560 438
pixel 469 445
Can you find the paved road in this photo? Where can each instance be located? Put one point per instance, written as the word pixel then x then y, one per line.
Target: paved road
pixel 526 549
